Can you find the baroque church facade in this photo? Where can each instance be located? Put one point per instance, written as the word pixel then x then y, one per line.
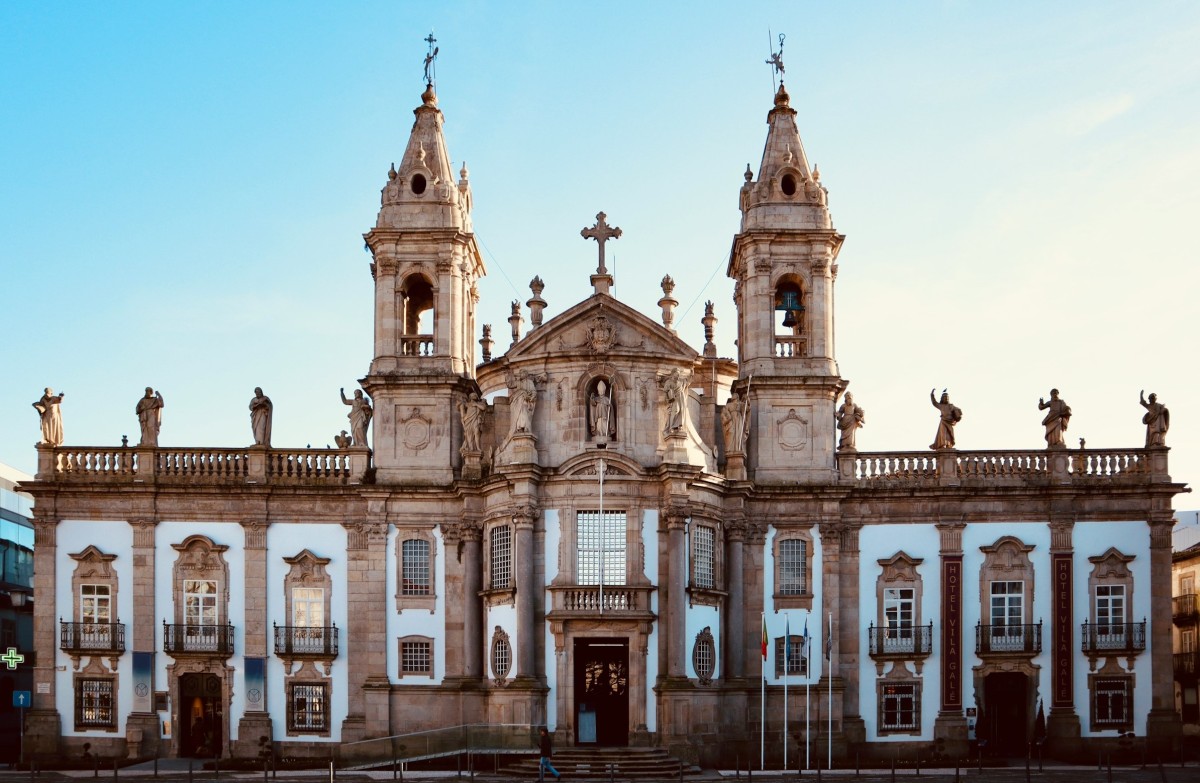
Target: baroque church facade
pixel 605 531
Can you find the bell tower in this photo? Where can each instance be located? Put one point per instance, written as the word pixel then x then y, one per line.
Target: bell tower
pixel 426 263
pixel 783 263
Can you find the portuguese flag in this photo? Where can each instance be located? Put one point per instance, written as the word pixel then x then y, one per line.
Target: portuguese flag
pixel 764 637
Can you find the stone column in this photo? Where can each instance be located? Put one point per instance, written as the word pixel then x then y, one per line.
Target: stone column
pixel 464 581
pixel 831 554
pixel 255 721
pixel 1163 728
pixel 1062 726
pixel 733 639
pixel 367 683
pixel 141 726
pixel 951 724
pixel 848 633
pixel 677 580
pixel 527 590
pixel 387 315
pixel 42 723
pixel 820 304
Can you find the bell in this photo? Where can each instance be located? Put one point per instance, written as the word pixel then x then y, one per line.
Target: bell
pixel 789 319
pixel 787 300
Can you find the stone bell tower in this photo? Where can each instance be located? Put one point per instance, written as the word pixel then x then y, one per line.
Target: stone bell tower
pixel 783 263
pixel 426 265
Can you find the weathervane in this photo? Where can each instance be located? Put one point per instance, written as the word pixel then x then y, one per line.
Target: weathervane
pixel 776 61
pixel 430 58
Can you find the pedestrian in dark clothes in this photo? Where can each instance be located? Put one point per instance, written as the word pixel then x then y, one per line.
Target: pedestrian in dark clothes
pixel 547 748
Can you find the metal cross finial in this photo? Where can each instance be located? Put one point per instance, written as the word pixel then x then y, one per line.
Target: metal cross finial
pixel 776 61
pixel 601 232
pixel 430 70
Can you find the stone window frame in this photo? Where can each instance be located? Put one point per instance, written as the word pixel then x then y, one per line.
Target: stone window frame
pixel 704 656
pixel 802 600
pixel 200 558
pixel 508 593
pixel 401 672
pixel 308 675
pixel 94 567
pixel 714 594
pixel 899 571
pixel 899 677
pixel 501 669
pixel 108 683
pixel 1007 560
pixel 571 540
pixel 1097 681
pixel 1111 569
pixel 426 602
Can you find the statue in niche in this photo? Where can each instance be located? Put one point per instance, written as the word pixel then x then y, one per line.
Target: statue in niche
pixel 149 413
pixel 733 423
pixel 261 411
pixel 359 416
pixel 1056 420
pixel 472 412
pixel 951 415
pixel 601 418
pixel 1157 419
pixel 849 418
pixel 52 429
pixel 523 401
pixel 675 389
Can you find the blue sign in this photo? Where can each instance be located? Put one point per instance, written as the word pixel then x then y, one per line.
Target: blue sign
pixel 22 699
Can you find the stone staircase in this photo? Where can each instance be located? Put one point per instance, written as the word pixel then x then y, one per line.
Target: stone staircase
pixel 593 764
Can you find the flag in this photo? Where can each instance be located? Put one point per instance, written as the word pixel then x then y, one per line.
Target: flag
pixel 764 638
pixel 829 639
pixel 804 644
pixel 787 644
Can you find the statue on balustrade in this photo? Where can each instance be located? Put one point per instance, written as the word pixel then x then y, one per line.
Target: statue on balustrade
pixel 260 417
pixel 343 440
pixel 601 419
pixel 733 423
pixel 52 429
pixel 951 415
pixel 1157 419
pixel 849 418
pixel 472 412
pixel 1056 420
pixel 359 416
pixel 149 413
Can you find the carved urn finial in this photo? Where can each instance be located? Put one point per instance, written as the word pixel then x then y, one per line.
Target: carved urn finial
pixel 537 304
pixel 667 303
pixel 486 342
pixel 709 320
pixel 515 321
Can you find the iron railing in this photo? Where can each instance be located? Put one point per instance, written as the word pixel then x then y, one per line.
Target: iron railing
pixel 297 641
pixel 1187 664
pixel 1114 637
pixel 91 637
pixel 900 641
pixel 1185 607
pixel 1008 639
pixel 184 639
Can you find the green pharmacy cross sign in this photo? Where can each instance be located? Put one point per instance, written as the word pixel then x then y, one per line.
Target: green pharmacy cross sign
pixel 12 658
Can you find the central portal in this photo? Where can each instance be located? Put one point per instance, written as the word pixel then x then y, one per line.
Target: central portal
pixel 602 692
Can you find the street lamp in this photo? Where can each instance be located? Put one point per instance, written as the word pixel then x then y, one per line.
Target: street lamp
pixel 18 598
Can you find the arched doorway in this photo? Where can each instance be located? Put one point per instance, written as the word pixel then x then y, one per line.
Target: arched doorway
pixel 201 716
pixel 1006 711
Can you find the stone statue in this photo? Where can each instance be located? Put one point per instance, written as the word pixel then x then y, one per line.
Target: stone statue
pixel 1056 420
pixel 359 416
pixel 149 413
pixel 951 415
pixel 524 401
pixel 675 388
pixel 733 423
pixel 472 412
pixel 52 429
pixel 601 418
pixel 343 441
pixel 1157 419
pixel 260 417
pixel 849 418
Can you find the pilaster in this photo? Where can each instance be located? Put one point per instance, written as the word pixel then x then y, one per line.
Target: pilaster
pixel 1163 727
pixel 43 724
pixel 367 678
pixel 1062 726
pixel 950 726
pixel 527 592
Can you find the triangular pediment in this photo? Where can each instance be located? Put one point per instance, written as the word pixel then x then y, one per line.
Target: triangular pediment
pixel 598 327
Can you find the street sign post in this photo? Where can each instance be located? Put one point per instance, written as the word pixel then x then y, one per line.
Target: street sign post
pixel 21 700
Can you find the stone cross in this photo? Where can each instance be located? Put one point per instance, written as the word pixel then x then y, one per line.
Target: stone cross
pixel 601 232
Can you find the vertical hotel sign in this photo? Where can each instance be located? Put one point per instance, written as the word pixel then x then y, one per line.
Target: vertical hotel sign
pixel 951 633
pixel 1063 675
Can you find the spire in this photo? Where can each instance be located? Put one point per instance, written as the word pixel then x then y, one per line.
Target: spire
pixel 784 178
pixel 421 192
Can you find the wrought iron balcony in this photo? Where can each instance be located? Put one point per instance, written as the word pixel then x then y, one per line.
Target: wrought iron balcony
pixel 1114 637
pixel 1187 665
pixel 298 641
pixel 89 638
pixel 198 640
pixel 1008 639
pixel 913 641
pixel 1185 609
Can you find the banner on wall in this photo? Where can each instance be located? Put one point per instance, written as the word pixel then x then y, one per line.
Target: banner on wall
pixel 256 685
pixel 143 682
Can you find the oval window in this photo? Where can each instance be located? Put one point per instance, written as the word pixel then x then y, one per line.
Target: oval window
pixel 418 184
pixel 788 185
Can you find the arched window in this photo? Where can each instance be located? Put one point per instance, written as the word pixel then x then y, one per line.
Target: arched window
pixel 789 308
pixel 417 316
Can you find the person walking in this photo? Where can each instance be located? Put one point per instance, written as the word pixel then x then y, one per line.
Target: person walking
pixel 547 749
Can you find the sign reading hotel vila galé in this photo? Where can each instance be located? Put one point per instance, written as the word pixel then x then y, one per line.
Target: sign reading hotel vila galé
pixel 952 633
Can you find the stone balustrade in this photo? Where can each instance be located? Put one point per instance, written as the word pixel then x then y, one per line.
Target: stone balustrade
pixel 589 600
pixel 952 467
pixel 249 465
pixel 416 345
pixel 791 347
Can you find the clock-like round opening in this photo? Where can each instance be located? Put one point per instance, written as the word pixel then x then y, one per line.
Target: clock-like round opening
pixel 788 185
pixel 418 184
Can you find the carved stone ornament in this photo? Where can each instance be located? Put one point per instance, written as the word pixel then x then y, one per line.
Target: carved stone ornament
pixel 792 431
pixel 415 430
pixel 601 335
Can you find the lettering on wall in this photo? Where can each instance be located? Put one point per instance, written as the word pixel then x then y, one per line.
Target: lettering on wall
pixel 952 633
pixel 1063 691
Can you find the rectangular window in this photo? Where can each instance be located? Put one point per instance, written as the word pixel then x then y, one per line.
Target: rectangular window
pixel 308 607
pixel 898 605
pixel 308 708
pixel 797 663
pixel 199 602
pixel 899 707
pixel 1187 585
pixel 501 558
pixel 704 566
pixel 600 547
pixel 94 704
pixel 1110 702
pixel 414 562
pixel 1110 608
pixel 793 567
pixel 1007 616
pixel 416 657
pixel 95 604
pixel 1187 640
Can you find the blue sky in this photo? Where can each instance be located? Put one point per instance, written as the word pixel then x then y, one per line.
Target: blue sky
pixel 185 187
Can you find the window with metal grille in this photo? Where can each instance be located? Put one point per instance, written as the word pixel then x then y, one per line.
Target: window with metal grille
pixel 704 567
pixel 308 707
pixel 501 655
pixel 308 607
pixel 704 656
pixel 600 547
pixel 415 577
pixel 899 707
pixel 793 653
pixel 416 657
pixel 1110 702
pixel 94 704
pixel 95 604
pixel 793 567
pixel 501 558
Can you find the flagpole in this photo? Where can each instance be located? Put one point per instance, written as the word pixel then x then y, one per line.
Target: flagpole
pixel 829 761
pixel 807 686
pixel 787 661
pixel 603 531
pixel 762 721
